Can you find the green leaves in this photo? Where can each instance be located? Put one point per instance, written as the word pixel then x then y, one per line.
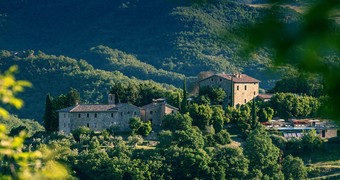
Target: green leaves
pixel 9 87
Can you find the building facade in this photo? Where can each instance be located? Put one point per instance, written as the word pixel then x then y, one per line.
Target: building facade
pixel 155 111
pixel 240 88
pixel 98 117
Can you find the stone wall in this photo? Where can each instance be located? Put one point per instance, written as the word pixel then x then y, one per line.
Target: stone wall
pixel 98 121
pixel 242 92
pixel 245 92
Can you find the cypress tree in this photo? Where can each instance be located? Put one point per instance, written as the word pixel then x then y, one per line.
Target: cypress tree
pixel 184 107
pixel 48 117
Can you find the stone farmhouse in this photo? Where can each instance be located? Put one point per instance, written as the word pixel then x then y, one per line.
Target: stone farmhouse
pixel 98 117
pixel 153 111
pixel 240 88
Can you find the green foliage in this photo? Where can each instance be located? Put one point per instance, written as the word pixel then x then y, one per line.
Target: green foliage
pixel 139 127
pixel 184 103
pixel 293 168
pixel 265 114
pixel 103 57
pixel 308 45
pixel 49 114
pixel 309 84
pixel 145 129
pixel 201 115
pixel 263 155
pixel 80 131
pixel 9 87
pixel 222 137
pixel 288 105
pixel 53 74
pixel 190 138
pixel 229 163
pixel 218 118
pixel 176 121
pixel 215 95
pixel 13 122
pixel 187 163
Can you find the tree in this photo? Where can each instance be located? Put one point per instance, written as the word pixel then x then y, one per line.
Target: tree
pixel 187 163
pixel 190 138
pixel 293 168
pixel 216 95
pixel 201 115
pixel 81 131
pixel 139 127
pixel 9 87
pixel 135 123
pixel 222 137
pixel 49 116
pixel 310 141
pixel 15 162
pixel 229 163
pixel 177 121
pixel 145 129
pixel 184 105
pixel 262 154
pixel 73 97
pixel 218 118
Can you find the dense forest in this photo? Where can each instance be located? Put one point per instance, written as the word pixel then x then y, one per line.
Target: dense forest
pixel 91 45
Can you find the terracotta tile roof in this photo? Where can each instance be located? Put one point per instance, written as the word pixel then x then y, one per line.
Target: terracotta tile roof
pixel 90 108
pixel 240 78
pixel 151 105
pixel 265 96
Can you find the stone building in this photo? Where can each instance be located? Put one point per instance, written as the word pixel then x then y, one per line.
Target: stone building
pixel 240 88
pixel 155 111
pixel 97 117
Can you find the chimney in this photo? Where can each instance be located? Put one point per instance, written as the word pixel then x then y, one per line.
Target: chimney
pixel 111 99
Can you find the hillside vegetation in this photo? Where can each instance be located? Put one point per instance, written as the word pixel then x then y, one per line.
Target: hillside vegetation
pixel 167 35
pixel 57 74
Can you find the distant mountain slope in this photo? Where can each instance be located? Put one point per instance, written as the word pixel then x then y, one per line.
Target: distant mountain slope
pixel 57 74
pixel 169 35
pixel 108 59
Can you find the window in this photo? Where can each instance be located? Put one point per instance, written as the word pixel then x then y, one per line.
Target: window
pixel 135 113
pixel 88 115
pixel 172 111
pixel 64 124
pixel 128 112
pixel 245 87
pixel 95 115
pixel 150 121
pixel 88 124
pixel 237 88
pixel 212 79
pixel 64 115
pixel 111 114
pixel 121 113
pixel 79 115
pixel 150 112
pixel 219 85
pixel 95 125
pixel 254 92
pixel 220 79
pixel 245 100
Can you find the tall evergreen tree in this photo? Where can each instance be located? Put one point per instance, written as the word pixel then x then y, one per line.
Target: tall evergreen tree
pixel 184 104
pixel 48 117
pixel 73 97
